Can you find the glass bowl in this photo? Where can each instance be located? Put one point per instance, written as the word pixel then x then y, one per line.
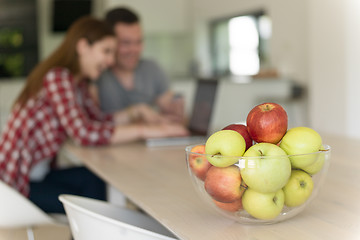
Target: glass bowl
pixel 212 185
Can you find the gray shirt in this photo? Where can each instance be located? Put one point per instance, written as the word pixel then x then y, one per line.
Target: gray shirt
pixel 149 83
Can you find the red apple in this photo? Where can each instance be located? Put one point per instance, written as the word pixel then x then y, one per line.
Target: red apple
pixel 198 162
pixel 230 207
pixel 267 122
pixel 224 183
pixel 242 129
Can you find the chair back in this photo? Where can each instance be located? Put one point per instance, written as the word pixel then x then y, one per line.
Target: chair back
pixel 18 211
pixel 93 219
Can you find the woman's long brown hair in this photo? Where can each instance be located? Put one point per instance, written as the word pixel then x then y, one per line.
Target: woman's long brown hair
pixel 65 55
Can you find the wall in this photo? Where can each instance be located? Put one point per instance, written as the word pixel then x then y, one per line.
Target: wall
pixel 334 38
pixel 48 41
pixel 352 50
pixel 9 90
pixel 172 18
pixel 167 35
pixel 170 46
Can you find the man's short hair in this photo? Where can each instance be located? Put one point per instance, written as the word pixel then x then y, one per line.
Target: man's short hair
pixel 121 15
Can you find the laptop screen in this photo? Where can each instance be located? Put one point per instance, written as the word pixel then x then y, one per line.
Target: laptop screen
pixel 203 106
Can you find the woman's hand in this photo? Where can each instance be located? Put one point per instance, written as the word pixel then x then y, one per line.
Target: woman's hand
pixel 140 131
pixel 163 130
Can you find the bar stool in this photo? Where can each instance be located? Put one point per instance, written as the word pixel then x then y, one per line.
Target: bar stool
pixel 92 219
pixel 16 211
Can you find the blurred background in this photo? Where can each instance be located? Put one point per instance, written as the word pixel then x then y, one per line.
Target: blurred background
pixel 301 54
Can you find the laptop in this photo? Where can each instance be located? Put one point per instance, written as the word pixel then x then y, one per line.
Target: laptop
pixel 199 122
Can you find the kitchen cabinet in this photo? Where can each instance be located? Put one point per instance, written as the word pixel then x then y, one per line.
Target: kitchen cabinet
pixel 18 38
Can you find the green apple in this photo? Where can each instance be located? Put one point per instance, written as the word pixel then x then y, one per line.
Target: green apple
pixel 298 189
pixel 301 141
pixel 266 168
pixel 263 205
pixel 317 165
pixel 225 148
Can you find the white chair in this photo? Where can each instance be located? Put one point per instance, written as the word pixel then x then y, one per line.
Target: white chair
pixel 16 211
pixel 92 219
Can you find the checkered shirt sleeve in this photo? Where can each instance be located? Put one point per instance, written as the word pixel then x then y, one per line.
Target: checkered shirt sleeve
pixel 74 115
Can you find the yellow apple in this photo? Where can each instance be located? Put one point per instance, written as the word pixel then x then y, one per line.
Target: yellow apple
pixel 224 147
pixel 298 189
pixel 263 205
pixel 267 168
pixel 300 141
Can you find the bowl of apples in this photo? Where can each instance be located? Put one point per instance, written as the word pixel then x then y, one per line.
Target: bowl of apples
pixel 261 172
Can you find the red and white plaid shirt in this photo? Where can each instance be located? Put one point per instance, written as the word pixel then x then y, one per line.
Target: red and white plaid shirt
pixel 36 131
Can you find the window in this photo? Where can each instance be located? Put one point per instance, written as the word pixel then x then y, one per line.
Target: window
pixel 240 44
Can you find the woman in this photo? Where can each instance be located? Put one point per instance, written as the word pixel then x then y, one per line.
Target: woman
pixel 55 105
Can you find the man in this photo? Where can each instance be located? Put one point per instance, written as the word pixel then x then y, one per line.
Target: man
pixel 134 81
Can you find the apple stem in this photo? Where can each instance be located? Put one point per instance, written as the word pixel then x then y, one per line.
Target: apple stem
pixel 216 154
pixel 261 153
